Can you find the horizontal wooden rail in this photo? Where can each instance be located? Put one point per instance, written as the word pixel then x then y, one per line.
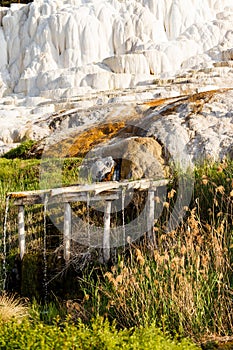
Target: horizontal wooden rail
pixel 73 193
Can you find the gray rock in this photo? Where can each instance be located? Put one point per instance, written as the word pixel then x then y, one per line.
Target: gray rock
pixel 96 169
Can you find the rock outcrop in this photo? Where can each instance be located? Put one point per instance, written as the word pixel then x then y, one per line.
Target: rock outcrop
pixel 67 67
pixel 183 129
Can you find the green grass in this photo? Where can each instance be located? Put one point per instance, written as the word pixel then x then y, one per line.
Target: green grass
pixel 25 175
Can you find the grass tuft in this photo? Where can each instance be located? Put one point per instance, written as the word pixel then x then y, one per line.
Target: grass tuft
pixel 12 306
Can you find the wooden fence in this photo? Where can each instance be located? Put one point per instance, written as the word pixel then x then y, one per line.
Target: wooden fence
pixel 104 191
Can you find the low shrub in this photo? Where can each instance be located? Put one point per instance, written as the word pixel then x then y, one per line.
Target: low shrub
pixel 98 335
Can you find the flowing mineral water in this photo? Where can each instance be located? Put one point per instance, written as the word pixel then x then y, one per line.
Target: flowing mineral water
pixel 45 250
pixel 4 243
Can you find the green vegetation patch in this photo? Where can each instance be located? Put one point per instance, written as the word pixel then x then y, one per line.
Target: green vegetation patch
pixel 33 174
pixel 21 151
pixel 98 335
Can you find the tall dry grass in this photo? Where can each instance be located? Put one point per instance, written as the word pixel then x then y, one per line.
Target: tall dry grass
pixel 185 283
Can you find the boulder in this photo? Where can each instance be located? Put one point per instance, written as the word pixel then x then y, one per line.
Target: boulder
pixel 137 157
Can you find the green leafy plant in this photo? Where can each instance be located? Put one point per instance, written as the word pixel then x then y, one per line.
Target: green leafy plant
pixel 100 334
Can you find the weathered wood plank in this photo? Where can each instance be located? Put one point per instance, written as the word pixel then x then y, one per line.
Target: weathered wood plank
pixel 24 194
pixel 30 200
pixel 94 188
pixel 95 191
pixel 67 197
pixel 83 197
pixel 145 184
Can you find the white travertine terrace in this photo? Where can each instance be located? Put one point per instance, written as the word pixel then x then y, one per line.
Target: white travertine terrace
pixel 52 44
pixel 53 49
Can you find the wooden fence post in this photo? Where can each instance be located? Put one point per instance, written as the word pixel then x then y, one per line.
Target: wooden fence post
pixel 21 229
pixel 67 231
pixel 151 215
pixel 106 237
